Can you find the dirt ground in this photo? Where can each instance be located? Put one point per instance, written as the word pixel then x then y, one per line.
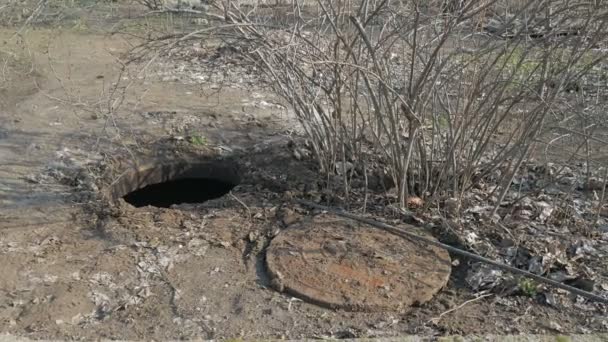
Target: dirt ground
pixel 76 267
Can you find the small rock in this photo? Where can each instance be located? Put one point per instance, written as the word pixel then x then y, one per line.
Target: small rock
pixel 335 247
pixel 555 326
pixel 550 299
pixel 288 217
pixel 545 210
pixel 414 202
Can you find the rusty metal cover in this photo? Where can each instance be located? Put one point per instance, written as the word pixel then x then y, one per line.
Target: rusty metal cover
pixel 343 264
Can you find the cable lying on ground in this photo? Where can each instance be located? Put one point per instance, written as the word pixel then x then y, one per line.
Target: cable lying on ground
pixel 409 235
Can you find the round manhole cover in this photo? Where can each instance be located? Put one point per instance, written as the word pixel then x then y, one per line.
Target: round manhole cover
pixel 343 264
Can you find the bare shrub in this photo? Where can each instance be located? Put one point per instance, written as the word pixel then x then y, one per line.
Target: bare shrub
pixel 446 95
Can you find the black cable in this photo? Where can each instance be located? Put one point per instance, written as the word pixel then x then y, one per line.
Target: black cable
pixel 406 234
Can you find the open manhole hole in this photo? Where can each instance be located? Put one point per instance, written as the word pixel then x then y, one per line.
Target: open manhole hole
pixel 166 184
pixel 343 264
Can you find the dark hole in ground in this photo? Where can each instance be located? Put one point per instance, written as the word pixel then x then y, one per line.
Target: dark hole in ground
pixel 189 190
pixel 164 184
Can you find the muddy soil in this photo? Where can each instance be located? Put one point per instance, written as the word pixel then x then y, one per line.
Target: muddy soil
pixel 75 266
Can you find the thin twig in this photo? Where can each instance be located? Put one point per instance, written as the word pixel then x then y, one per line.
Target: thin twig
pixel 435 320
pixel 243 204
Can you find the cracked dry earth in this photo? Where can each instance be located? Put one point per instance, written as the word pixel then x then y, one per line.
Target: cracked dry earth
pixel 74 267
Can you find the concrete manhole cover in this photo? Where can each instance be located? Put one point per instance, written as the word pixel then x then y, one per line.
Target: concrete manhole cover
pixel 343 264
